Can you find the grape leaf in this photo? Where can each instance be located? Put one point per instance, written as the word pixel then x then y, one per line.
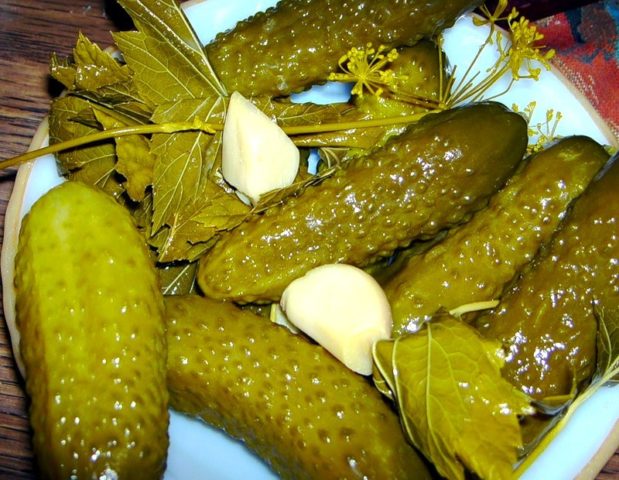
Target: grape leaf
pixel 166 20
pixel 93 164
pixel 222 210
pixel 91 67
pixel 94 74
pixel 165 54
pixel 178 279
pixel 182 160
pixel 607 364
pixel 454 404
pixel 63 125
pixel 290 114
pixel 142 214
pixel 134 159
pixel 188 236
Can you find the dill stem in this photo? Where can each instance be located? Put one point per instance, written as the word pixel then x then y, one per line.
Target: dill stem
pixel 488 40
pixel 107 135
pixel 413 99
pixel 335 127
pixel 176 127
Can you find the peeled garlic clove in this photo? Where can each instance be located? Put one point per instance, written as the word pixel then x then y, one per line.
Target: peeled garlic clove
pixel 257 155
pixel 343 309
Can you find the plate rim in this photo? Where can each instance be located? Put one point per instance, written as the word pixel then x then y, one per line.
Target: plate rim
pixel 14 214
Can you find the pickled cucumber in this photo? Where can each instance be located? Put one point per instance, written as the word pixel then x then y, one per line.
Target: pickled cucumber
pixel 478 259
pixel 90 315
pixel 289 400
pixel 547 320
pixel 432 176
pixel 299 42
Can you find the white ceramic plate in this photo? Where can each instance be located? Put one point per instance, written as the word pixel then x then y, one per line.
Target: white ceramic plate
pixel 197 451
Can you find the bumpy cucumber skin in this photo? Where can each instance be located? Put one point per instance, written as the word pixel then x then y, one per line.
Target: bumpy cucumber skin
pixel 299 42
pixel 289 400
pixel 431 177
pixel 546 320
pixel 478 259
pixel 92 338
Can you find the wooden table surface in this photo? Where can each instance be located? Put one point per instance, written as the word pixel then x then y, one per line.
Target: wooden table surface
pixel 29 31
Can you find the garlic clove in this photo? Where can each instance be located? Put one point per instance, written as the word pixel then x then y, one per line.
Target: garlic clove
pixel 342 308
pixel 257 155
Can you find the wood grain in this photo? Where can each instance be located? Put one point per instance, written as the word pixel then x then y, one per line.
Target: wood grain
pixel 29 32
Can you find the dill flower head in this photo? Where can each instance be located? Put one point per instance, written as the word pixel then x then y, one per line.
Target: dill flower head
pixel 366 67
pixel 526 50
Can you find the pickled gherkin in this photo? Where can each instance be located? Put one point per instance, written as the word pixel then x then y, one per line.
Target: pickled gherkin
pixel 289 400
pixel 431 177
pixel 90 315
pixel 476 261
pixel 299 42
pixel 547 320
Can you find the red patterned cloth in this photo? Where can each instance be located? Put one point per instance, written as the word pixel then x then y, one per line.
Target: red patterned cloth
pixel 586 42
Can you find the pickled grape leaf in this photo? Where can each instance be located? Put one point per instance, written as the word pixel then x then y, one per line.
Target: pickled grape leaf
pixel 134 159
pixel 64 125
pixel 102 174
pixel 165 20
pixel 93 164
pixel 94 74
pixel 290 114
pixel 222 210
pixel 607 366
pixel 301 182
pixel 91 69
pixel 188 236
pixel 178 279
pixel 454 404
pixel 183 160
pixel 165 54
pixel 142 214
pixel 158 78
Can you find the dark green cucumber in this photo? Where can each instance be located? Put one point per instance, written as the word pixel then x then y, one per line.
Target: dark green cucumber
pixel 299 42
pixel 289 400
pixel 431 177
pixel 477 260
pixel 547 319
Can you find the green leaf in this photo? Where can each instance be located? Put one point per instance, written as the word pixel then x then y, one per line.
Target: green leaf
pixel 177 279
pixel 290 114
pixel 142 214
pixel 165 55
pixel 134 159
pixel 183 160
pixel 221 210
pixel 101 174
pixel 454 404
pixel 607 365
pixel 72 117
pixel 63 125
pixel 213 211
pixel 91 68
pixel 94 74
